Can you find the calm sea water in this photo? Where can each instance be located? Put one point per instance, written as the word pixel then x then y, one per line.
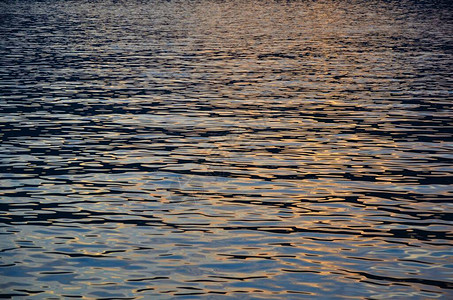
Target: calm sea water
pixel 226 149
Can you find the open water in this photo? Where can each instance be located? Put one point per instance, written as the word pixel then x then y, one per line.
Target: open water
pixel 226 149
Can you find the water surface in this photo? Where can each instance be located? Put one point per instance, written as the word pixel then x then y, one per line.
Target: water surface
pixel 226 149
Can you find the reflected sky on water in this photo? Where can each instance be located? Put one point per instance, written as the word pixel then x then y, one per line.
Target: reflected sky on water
pixel 226 149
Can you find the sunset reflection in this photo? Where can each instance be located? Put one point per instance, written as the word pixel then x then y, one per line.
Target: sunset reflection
pixel 225 149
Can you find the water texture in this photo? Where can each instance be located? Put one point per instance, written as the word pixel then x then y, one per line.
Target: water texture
pixel 226 149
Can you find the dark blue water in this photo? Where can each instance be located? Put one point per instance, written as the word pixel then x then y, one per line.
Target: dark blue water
pixel 226 149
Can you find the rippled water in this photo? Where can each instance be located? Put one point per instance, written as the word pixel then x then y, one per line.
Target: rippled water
pixel 228 150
